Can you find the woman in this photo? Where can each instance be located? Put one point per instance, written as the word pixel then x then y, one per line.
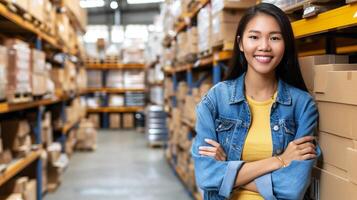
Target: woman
pixel 254 130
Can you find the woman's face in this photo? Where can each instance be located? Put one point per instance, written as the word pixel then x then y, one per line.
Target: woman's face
pixel 262 44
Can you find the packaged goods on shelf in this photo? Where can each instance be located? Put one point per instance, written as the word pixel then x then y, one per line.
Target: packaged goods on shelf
pixel 224 26
pixel 46 130
pixel 86 135
pixel 192 40
pixel 22 186
pixel 128 120
pixel 16 136
pixel 19 72
pixel 70 75
pixel 132 55
pixel 93 102
pixel 154 46
pixel 218 5
pixel 134 79
pixel 5 156
pixel 77 11
pixel 3 72
pixel 182 44
pixel 95 119
pixel 182 91
pixel 62 27
pixel 57 76
pixel 22 4
pixel 307 66
pixel 204 29
pixel 36 8
pixel 115 79
pixel 116 100
pixel 82 79
pixel 115 120
pixel 134 99
pixel 50 17
pixel 39 75
pixel 94 78
pixel 168 86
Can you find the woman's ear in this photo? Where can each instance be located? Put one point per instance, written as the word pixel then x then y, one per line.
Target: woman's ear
pixel 239 41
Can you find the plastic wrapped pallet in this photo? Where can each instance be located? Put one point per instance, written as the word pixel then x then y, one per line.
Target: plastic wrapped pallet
pixel 94 78
pixel 134 79
pixel 132 55
pixel 37 8
pixel 3 72
pixel 115 79
pixel 86 135
pixel 204 28
pixel 19 71
pixel 57 76
pixel 116 100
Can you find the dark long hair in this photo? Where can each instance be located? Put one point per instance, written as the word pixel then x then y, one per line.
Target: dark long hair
pixel 288 69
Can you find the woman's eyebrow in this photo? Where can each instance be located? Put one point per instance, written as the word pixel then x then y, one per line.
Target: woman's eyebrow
pixel 273 32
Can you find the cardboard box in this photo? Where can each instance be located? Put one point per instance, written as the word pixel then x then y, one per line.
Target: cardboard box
pixel 94 78
pixel 13 129
pixel 329 186
pixel 308 63
pixel 3 71
pixel 39 84
pixel 351 164
pixel 204 28
pixel 128 120
pixel 115 120
pixel 5 157
pixel 23 4
pixel 36 8
pixel 30 192
pixel 338 119
pixel 222 31
pixel 54 152
pixel 334 149
pixel 218 5
pixel 95 118
pixel 13 196
pixel 329 81
pixel 57 76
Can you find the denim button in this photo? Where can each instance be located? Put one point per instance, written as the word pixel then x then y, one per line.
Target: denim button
pixel 276 128
pixel 220 126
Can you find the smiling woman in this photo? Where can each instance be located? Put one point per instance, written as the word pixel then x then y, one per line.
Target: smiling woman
pixel 254 130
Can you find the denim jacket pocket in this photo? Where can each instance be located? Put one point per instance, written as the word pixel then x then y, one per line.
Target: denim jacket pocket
pixel 224 130
pixel 289 130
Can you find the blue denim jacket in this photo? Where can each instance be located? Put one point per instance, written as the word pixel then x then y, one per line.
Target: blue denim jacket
pixel 223 115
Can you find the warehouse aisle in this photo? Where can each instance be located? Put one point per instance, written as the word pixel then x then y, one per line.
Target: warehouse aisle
pixel 123 167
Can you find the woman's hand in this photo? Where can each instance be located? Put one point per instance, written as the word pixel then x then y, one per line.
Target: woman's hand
pixel 299 149
pixel 215 151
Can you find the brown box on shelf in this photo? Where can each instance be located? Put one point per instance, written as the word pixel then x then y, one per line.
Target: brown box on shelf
pixel 62 27
pixel 115 120
pixel 308 63
pixel 329 186
pixel 44 158
pixel 86 135
pixel 204 29
pixel 54 176
pixel 334 83
pixel 351 164
pixel 338 119
pixel 94 78
pixel 39 84
pixel 53 152
pixel 30 192
pixel 36 9
pixel 50 16
pixel 5 157
pixel 57 76
pixel 128 120
pixel 133 55
pixel 95 118
pixel 12 130
pixel 334 149
pixel 218 5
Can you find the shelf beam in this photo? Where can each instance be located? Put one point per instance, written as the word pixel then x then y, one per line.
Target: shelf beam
pixel 115 109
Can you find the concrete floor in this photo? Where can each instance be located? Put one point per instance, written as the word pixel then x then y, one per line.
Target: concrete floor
pixel 122 167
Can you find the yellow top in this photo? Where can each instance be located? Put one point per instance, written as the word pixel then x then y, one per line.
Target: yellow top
pixel 258 144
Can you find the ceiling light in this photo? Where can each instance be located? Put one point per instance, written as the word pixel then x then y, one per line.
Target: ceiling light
pixel 143 1
pixel 91 3
pixel 114 5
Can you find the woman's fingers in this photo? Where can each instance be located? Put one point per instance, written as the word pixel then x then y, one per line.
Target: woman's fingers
pixel 206 148
pixel 308 156
pixel 308 150
pixel 212 142
pixel 212 154
pixel 303 140
pixel 306 145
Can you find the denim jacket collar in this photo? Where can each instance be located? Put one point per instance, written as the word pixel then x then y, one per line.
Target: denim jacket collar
pixel 283 96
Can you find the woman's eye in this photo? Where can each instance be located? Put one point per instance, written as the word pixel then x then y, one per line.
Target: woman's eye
pixel 253 37
pixel 275 38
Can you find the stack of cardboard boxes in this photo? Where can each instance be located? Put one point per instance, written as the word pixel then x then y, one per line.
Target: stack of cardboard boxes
pixel 86 136
pixel 94 78
pixel 115 79
pixel 21 188
pixel 39 75
pixel 55 166
pixel 335 175
pixel 16 137
pixel 115 120
pixel 203 28
pixel 18 71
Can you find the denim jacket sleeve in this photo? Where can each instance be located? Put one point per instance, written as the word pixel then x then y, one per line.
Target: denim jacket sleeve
pixel 211 175
pixel 291 182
